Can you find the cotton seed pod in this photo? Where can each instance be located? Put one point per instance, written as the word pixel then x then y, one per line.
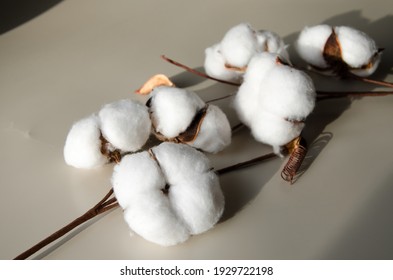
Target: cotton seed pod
pixel 180 115
pixel 339 49
pixel 125 124
pixel 180 197
pixel 119 127
pixel 82 148
pixel 228 59
pixel 274 100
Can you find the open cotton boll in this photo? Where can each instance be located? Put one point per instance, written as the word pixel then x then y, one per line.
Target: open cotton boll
pixel 215 132
pixel 82 148
pixel 215 65
pixel 180 197
pixel 239 45
pixel 274 100
pixel 357 49
pixel 342 49
pixel 311 44
pixel 125 124
pixel 173 109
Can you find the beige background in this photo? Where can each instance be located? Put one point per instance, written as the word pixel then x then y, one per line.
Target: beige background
pixel 67 62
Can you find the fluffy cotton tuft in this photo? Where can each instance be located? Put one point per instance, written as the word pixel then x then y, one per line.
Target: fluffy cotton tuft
pixel 125 124
pixel 269 41
pixel 274 100
pixel 215 65
pixel 228 59
pixel 215 132
pixel 173 110
pixel 359 52
pixel 82 148
pixel 239 45
pixel 180 197
pixel 311 43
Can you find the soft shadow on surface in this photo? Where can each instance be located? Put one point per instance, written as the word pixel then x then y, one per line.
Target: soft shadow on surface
pixel 187 79
pixel 370 234
pixel 64 239
pixel 16 12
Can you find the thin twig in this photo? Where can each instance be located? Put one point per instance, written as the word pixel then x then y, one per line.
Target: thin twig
pixel 323 95
pixel 371 81
pixel 196 72
pixel 245 164
pixel 101 207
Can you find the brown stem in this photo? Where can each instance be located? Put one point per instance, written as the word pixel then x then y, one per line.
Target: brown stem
pixel 371 81
pixel 245 164
pixel 322 95
pixel 196 72
pixel 99 208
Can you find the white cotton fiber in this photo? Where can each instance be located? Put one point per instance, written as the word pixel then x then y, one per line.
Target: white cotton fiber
pixel 173 109
pixel 180 197
pixel 215 65
pixel 269 41
pixel 82 148
pixel 311 43
pixel 195 191
pixel 357 47
pixel 125 124
pixel 274 99
pixel 147 210
pixel 274 130
pixel 215 132
pixel 239 45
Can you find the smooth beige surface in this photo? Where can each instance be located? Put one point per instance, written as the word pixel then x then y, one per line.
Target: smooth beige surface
pixel 67 62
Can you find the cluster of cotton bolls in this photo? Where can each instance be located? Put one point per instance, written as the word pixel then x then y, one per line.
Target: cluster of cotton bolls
pixel 181 196
pixel 274 99
pixel 228 59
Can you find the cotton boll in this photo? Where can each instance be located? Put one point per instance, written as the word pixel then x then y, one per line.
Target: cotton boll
pixel 82 148
pixel 215 65
pixel 180 197
pixel 274 100
pixel 125 124
pixel 147 210
pixel 173 109
pixel 239 45
pixel 215 131
pixel 311 44
pixel 357 48
pixel 194 190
